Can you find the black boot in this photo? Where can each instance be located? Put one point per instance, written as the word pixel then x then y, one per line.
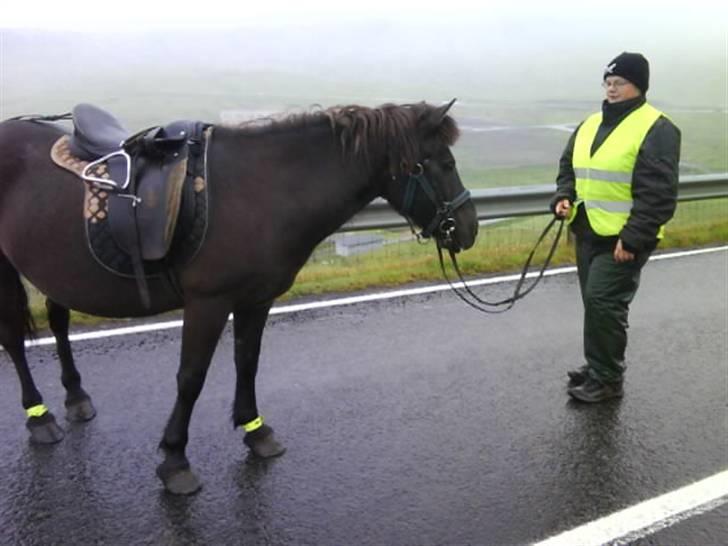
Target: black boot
pixel 578 376
pixel 593 391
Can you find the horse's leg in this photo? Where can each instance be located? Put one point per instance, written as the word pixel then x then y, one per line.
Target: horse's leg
pixel 203 324
pixel 14 322
pixel 78 402
pixel 248 326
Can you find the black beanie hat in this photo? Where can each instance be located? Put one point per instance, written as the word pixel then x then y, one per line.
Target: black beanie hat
pixel 631 66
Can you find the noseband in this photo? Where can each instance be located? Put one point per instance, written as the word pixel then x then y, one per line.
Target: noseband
pixel 442 224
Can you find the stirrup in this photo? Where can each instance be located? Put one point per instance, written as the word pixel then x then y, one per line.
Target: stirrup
pixel 105 183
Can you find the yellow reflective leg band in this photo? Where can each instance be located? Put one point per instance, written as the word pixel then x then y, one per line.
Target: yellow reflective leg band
pixel 36 411
pixel 255 424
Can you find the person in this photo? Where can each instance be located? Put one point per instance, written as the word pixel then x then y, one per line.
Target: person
pixel 617 187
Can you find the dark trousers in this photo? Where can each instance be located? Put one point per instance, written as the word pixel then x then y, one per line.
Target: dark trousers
pixel 607 289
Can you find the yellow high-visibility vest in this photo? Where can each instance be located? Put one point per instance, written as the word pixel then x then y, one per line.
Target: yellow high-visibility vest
pixel 604 180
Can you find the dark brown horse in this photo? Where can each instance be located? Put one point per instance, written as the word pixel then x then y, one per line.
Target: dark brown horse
pixel 276 190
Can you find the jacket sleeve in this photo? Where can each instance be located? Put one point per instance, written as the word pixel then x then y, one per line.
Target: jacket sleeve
pixel 566 180
pixel 654 186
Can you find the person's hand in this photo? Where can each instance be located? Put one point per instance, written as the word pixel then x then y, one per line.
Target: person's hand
pixel 562 208
pixel 621 255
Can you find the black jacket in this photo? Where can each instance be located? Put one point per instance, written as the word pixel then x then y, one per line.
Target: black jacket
pixel 654 180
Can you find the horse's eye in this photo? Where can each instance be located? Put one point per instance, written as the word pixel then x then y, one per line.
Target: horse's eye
pixel 448 165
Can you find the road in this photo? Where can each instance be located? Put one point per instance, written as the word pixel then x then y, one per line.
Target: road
pixel 411 420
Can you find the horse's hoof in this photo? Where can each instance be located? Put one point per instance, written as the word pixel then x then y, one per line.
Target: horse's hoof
pixel 44 429
pixel 183 482
pixel 178 481
pixel 80 411
pixel 263 444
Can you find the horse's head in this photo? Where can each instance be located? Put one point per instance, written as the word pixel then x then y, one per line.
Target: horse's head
pixel 423 182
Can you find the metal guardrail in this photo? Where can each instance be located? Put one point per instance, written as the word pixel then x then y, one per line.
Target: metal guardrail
pixel 526 201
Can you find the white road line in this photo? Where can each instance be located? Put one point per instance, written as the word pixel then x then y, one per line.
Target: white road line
pixel 649 516
pixel 284 309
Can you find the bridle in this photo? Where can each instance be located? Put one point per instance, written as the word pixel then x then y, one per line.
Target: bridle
pixel 442 226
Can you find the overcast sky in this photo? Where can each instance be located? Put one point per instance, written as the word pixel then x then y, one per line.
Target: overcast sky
pixel 710 15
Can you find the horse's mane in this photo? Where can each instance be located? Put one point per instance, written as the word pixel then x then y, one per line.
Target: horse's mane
pixel 360 130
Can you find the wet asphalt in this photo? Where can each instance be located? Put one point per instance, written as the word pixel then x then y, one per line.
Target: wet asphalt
pixel 414 421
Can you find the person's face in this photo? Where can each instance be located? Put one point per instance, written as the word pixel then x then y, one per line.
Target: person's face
pixel 618 89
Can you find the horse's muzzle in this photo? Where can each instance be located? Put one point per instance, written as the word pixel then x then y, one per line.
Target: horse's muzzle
pixel 453 237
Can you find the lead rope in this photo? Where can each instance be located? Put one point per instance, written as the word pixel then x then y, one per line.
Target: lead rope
pixel 483 305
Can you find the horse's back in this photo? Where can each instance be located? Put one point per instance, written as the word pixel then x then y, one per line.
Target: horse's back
pixel 24 147
pixel 15 134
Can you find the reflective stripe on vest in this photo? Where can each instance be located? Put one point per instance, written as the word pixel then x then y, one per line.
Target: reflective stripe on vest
pixel 604 180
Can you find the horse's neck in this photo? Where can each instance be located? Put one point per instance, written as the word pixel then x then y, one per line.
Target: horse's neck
pixel 336 187
pixel 344 187
pixel 304 171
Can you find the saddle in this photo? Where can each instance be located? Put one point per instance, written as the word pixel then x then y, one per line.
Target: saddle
pixel 140 177
pixel 145 171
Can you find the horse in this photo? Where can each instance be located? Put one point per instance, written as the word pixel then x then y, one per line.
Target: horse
pixel 277 188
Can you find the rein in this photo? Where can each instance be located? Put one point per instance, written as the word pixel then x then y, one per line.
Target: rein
pixel 444 224
pixel 485 306
pixel 38 117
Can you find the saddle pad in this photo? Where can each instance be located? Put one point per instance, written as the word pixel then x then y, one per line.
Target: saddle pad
pixel 189 231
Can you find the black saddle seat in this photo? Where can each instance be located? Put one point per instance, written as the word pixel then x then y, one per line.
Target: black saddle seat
pixel 96 133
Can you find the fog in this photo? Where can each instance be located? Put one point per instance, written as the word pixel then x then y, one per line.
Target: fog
pixel 284 54
pixel 524 73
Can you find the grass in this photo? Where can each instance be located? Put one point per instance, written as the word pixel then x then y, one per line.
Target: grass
pixel 503 177
pixel 704 141
pixel 501 247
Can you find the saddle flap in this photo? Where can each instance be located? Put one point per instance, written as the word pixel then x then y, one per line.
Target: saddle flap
pixel 160 192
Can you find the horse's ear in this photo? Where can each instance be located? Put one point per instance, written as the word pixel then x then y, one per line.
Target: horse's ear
pixel 434 119
pixel 441 111
pixel 447 107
